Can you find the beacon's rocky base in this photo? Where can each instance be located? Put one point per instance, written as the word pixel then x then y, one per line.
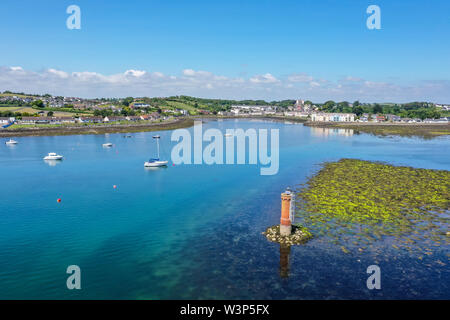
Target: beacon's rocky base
pixel 298 235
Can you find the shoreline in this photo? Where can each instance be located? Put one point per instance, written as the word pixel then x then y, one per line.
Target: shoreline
pixel 424 130
pixel 124 128
pixel 99 129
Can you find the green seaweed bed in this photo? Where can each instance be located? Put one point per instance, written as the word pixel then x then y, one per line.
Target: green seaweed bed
pixel 372 200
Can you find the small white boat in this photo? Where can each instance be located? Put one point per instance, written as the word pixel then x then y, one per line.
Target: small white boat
pixel 107 145
pixel 156 162
pixel 53 156
pixel 11 142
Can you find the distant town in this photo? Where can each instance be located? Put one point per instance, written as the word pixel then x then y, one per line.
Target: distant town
pixel 22 109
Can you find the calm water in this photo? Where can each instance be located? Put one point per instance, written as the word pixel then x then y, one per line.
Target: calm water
pixel 190 231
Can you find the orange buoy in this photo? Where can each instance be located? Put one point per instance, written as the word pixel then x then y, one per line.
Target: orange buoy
pixel 114 186
pixel 59 200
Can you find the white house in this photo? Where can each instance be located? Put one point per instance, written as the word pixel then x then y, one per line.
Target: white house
pixel 6 120
pixel 332 117
pixel 296 114
pixel 28 120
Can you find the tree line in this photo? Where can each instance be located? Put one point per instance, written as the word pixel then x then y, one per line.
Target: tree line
pixel 422 110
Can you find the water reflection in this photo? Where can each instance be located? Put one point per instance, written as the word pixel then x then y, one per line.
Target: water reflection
pixel 325 132
pixel 52 163
pixel 285 252
pixel 148 169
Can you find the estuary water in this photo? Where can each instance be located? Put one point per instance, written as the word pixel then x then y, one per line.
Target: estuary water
pixel 191 231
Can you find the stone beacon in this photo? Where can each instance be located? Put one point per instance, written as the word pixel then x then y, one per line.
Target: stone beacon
pixel 286 213
pixel 287 233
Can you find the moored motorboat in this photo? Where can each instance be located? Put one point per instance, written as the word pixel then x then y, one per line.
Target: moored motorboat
pixel 107 145
pixel 53 156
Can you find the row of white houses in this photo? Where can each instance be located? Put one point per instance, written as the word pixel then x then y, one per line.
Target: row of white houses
pixel 333 117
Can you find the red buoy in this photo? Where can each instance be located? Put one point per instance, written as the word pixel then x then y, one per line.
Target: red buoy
pixel 59 200
pixel 114 186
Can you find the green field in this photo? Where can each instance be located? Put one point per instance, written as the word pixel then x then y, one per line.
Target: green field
pixel 14 94
pixel 182 105
pixel 57 112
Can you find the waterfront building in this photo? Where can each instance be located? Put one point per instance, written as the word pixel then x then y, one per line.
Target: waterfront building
pixel 296 114
pixel 393 118
pixel 6 120
pixel 332 117
pixel 27 120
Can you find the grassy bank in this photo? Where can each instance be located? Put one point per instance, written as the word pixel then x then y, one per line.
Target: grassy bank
pixel 54 130
pixel 424 130
pixel 367 201
pixel 118 127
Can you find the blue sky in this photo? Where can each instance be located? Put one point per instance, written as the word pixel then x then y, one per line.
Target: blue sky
pixel 323 44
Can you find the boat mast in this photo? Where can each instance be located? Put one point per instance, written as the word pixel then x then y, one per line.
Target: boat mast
pixel 157 142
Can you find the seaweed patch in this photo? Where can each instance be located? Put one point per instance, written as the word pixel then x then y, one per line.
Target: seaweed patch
pixel 365 201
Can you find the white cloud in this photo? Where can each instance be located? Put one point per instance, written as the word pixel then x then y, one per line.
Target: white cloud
pixel 265 78
pixel 197 74
pixel 189 72
pixel 355 79
pixel 300 77
pixel 16 68
pixel 58 73
pixel 206 84
pixel 135 73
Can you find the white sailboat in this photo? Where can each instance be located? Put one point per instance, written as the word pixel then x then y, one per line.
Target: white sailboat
pixel 156 162
pixel 11 142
